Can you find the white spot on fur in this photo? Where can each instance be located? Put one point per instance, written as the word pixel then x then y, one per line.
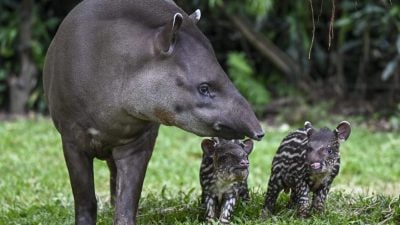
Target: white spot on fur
pixel 93 131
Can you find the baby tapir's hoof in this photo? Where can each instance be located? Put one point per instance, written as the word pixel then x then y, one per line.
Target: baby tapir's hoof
pixel 265 214
pixel 210 220
pixel 224 220
pixel 303 213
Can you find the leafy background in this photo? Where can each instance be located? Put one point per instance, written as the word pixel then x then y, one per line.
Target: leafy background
pixel 357 74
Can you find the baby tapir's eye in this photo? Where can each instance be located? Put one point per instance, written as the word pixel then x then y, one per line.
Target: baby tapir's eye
pixel 222 159
pixel 329 150
pixel 204 89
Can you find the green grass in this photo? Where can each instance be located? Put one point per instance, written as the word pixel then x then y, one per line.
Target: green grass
pixel 34 184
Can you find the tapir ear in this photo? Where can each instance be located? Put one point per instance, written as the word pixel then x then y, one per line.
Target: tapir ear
pixel 309 128
pixel 208 146
pixel 248 145
pixel 343 130
pixel 307 125
pixel 166 38
pixel 195 16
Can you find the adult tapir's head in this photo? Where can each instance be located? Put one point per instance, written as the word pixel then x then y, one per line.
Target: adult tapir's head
pixel 183 85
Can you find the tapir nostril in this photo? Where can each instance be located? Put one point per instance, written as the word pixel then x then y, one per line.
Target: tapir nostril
pixel 258 136
pixel 244 163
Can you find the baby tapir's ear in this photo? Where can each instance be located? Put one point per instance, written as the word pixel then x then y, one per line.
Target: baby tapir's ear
pixel 307 125
pixel 248 145
pixel 343 130
pixel 208 146
pixel 309 128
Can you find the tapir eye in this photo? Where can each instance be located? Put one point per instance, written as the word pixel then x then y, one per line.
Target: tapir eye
pixel 329 150
pixel 204 89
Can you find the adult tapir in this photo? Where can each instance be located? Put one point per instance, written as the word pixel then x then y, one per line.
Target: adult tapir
pixel 115 71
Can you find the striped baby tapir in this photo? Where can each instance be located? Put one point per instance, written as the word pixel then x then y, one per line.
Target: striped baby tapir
pixel 307 161
pixel 223 176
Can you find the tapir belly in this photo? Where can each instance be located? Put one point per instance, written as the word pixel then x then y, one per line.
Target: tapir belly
pixel 98 132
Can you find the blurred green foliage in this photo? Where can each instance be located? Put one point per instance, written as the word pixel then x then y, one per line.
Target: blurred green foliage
pixel 43 26
pixel 8 35
pixel 242 75
pixel 362 64
pixel 251 7
pixel 375 25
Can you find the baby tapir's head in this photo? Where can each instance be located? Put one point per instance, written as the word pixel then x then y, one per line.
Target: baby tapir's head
pixel 230 157
pixel 323 146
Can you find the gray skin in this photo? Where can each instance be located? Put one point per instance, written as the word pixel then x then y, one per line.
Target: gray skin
pixel 113 73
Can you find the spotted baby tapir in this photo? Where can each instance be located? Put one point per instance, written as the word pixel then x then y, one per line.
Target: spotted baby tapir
pixel 307 161
pixel 223 176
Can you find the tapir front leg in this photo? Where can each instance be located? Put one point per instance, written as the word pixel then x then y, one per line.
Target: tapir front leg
pixel 319 198
pixel 80 168
pixel 210 203
pixel 229 202
pixel 131 170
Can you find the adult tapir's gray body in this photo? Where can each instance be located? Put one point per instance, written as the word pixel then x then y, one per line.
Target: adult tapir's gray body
pixel 115 70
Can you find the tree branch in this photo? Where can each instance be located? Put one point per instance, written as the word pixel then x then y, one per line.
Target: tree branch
pixel 280 59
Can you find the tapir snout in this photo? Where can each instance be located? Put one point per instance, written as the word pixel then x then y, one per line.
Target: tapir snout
pixel 238 121
pixel 239 130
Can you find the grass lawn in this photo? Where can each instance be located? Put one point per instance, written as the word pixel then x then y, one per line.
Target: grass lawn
pixel 34 184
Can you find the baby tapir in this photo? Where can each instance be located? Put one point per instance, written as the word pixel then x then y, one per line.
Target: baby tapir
pixel 306 161
pixel 223 176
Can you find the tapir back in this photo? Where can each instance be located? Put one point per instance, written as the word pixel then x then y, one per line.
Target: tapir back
pixel 86 63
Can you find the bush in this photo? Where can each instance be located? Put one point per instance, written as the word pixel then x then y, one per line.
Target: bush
pixel 242 75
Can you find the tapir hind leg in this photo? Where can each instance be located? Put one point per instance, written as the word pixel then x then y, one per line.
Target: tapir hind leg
pixel 80 168
pixel 131 161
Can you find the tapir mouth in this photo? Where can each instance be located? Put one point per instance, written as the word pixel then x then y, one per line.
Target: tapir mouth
pixel 257 136
pixel 230 133
pixel 227 132
pixel 241 167
pixel 316 166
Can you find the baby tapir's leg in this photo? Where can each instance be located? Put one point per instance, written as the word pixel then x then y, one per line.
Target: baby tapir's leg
pixel 274 187
pixel 301 192
pixel 319 198
pixel 228 203
pixel 244 191
pixel 210 204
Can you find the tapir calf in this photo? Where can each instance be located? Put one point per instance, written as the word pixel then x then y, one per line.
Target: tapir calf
pixel 115 71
